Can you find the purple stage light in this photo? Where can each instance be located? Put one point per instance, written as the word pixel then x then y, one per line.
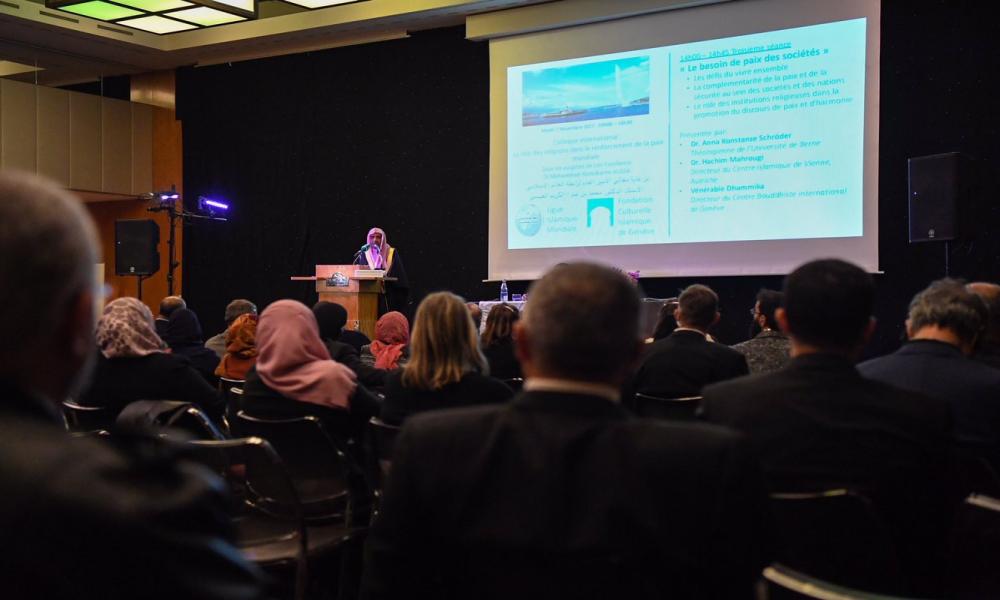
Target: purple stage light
pixel 217 204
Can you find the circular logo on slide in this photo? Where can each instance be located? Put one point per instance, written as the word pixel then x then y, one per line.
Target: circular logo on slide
pixel 528 220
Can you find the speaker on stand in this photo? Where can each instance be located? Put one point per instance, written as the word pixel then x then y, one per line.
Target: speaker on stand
pixel 939 199
pixel 136 252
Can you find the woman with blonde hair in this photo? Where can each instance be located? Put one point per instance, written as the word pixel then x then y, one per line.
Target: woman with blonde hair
pixel 446 368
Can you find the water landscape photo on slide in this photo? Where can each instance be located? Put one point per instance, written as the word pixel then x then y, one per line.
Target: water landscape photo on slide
pixel 584 92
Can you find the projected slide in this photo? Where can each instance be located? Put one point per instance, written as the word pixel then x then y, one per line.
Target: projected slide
pixel 756 137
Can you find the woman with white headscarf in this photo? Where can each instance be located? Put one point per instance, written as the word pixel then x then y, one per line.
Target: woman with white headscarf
pixel 377 254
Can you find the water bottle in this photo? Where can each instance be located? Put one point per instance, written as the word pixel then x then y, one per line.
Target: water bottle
pixel 503 290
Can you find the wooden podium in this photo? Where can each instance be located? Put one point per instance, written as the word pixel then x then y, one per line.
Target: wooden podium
pixel 360 293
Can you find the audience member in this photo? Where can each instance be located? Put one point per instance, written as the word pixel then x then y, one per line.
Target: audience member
pixel 767 349
pixel 681 364
pixel 218 342
pixel 167 306
pixel 134 364
pixel 665 322
pixel 331 318
pixel 943 325
pixel 988 347
pixel 498 342
pixel 818 424
pixel 183 335
pixel 294 375
pixel 389 348
pixel 241 347
pixel 82 518
pixel 560 494
pixel 446 367
pixel 476 313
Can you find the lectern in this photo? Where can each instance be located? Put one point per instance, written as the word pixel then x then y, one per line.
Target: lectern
pixel 357 289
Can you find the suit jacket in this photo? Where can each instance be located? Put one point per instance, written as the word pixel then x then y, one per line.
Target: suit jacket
pixel 558 495
pixel 818 424
pixel 472 389
pixel 767 351
pixel 940 370
pixel 682 363
pixel 125 518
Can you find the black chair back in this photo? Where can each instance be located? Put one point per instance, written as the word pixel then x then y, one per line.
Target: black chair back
pixel 975 555
pixel 515 383
pixel 271 528
pixel 81 418
pixel 232 392
pixel 169 418
pixel 781 583
pixel 316 461
pixel 381 440
pixel 678 409
pixel 836 535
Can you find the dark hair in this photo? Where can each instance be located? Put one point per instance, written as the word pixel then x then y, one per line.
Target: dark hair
pixel 698 305
pixel 949 305
pixel 770 301
pixel 829 303
pixel 500 324
pixel 665 322
pixel 582 321
pixel 239 306
pixel 331 318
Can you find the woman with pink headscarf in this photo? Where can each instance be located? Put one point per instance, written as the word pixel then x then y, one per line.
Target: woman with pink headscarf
pixel 388 350
pixel 294 375
pixel 377 254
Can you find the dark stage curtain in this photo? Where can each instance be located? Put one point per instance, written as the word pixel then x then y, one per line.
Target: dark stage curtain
pixel 313 149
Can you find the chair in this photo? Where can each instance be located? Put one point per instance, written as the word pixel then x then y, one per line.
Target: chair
pixel 381 440
pixel 170 419
pixel 781 583
pixel 81 418
pixel 680 409
pixel 317 463
pixel 271 527
pixel 515 383
pixel 836 535
pixel 232 391
pixel 975 553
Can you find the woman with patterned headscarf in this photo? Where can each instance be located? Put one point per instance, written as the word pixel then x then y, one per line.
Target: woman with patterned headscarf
pixel 377 254
pixel 135 364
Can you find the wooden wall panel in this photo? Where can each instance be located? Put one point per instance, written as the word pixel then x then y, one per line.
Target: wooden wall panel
pixel 85 142
pixel 116 146
pixel 142 149
pixel 18 141
pixel 53 134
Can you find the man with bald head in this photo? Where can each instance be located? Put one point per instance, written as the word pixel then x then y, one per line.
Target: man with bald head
pixel 167 307
pixel 988 348
pixel 560 493
pixel 82 518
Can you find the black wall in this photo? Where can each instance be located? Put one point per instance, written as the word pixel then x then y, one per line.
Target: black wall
pixel 314 149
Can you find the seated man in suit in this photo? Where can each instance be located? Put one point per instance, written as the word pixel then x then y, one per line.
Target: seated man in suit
pixel 944 323
pixel 167 307
pixel 85 518
pixel 560 493
pixel 680 364
pixel 818 424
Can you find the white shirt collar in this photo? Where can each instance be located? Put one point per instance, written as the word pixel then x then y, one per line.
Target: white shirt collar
pixel 569 386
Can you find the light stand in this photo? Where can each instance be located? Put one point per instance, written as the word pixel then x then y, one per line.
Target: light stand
pixel 168 203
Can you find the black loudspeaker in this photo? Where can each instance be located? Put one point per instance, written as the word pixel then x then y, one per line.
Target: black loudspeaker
pixel 135 247
pixel 939 196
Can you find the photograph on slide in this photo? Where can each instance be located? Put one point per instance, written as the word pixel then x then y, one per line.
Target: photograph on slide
pixel 584 92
